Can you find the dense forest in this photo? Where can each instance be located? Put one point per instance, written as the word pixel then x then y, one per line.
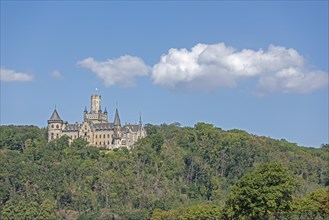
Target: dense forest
pixel 199 172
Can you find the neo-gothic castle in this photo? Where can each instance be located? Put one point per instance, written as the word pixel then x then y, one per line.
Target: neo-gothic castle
pixel 96 128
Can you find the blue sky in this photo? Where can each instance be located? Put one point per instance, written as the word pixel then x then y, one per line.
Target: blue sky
pixel 257 66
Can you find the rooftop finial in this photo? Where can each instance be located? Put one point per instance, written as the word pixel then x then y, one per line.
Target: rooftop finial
pixel 96 89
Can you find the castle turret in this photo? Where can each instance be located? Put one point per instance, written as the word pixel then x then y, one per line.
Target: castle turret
pixel 55 124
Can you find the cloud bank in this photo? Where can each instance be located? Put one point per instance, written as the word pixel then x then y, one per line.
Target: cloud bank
pixel 208 67
pixel 8 75
pixel 121 71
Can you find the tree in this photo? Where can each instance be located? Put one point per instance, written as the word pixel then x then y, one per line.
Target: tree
pixel 324 204
pixel 20 209
pixel 195 212
pixel 308 206
pixel 260 194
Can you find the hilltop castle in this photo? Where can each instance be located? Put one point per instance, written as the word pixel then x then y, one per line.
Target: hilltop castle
pixel 96 128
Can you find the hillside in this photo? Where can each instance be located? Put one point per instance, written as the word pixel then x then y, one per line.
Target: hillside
pixel 172 168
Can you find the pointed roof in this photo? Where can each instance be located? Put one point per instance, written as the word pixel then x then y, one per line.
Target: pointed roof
pixel 85 109
pixel 105 110
pixel 117 118
pixel 55 117
pixel 140 119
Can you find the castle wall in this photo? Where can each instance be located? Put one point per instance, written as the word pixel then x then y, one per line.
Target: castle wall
pixel 103 138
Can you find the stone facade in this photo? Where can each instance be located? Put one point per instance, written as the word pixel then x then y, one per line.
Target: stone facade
pixel 96 128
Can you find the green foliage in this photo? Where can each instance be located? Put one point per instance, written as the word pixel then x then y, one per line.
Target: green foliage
pixel 263 193
pixel 18 137
pixel 324 203
pixel 196 212
pixel 172 167
pixel 29 209
pixel 312 206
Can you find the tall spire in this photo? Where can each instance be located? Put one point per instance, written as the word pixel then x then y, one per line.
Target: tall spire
pixel 140 119
pixel 85 109
pixel 117 118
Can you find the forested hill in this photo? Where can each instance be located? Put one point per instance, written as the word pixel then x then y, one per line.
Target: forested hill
pixel 175 172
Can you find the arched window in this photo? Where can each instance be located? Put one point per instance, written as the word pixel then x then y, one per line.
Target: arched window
pixel 56 135
pixel 95 143
pixel 108 135
pixel 52 126
pixel 57 126
pixel 104 136
pixel 52 136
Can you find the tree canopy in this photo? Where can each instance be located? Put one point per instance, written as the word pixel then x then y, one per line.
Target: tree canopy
pixel 181 171
pixel 265 192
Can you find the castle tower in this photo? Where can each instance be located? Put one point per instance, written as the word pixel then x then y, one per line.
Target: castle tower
pixel 55 124
pixel 95 115
pixel 95 104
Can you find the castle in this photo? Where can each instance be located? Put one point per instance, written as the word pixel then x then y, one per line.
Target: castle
pixel 96 128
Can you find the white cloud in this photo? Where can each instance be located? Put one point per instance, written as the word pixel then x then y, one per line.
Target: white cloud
pixel 208 67
pixel 56 74
pixel 8 75
pixel 121 71
pixel 293 80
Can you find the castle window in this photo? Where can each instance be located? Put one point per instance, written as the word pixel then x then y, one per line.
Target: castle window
pixel 96 136
pixel 108 143
pixel 95 143
pixel 104 142
pixel 56 135
pixel 104 136
pixel 108 135
pixel 52 126
pixel 57 126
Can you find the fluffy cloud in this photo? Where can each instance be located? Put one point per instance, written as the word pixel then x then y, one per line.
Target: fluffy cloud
pixel 208 67
pixel 8 75
pixel 121 71
pixel 56 74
